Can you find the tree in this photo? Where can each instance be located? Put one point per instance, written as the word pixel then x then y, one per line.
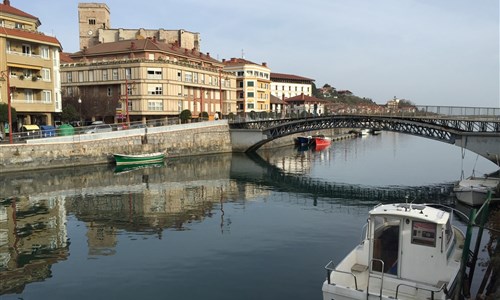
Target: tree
pixel 69 113
pixel 4 113
pixel 185 116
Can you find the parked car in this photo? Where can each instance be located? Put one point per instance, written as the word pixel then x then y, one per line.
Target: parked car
pixel 99 128
pixel 139 125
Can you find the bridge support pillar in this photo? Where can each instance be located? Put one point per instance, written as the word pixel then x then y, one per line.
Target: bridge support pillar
pixel 243 139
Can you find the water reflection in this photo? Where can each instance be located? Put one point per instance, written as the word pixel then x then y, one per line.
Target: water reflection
pixel 147 201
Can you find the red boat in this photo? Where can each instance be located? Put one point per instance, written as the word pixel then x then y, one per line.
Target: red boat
pixel 321 141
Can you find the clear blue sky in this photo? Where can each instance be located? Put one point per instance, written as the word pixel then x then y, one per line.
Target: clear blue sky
pixel 430 52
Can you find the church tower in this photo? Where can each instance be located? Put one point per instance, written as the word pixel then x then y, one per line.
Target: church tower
pixel 91 18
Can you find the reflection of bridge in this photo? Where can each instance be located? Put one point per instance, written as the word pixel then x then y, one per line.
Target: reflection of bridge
pixel 262 173
pixel 477 130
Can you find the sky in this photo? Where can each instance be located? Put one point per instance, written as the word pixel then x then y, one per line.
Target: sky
pixel 429 52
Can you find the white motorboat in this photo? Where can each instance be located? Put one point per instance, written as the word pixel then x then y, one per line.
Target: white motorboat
pixel 409 251
pixel 473 191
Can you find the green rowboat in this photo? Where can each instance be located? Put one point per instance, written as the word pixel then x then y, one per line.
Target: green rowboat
pixel 127 159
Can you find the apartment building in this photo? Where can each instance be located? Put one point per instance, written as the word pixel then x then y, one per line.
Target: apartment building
pixel 94 24
pixel 288 85
pixel 253 83
pixel 29 65
pixel 146 79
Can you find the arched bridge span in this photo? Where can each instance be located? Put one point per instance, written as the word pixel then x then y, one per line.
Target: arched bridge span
pixel 481 136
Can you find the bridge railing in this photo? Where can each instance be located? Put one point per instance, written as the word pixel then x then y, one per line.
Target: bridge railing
pixel 408 111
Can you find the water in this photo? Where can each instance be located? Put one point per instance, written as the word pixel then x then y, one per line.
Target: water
pixel 213 227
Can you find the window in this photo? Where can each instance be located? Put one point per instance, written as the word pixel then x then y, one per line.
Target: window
pixel 195 77
pixel 129 89
pixel 80 76
pixel 155 105
pixel 250 95
pixel 188 77
pixel 155 89
pixel 104 74
pixel 28 94
pixel 179 75
pixel 109 91
pixel 151 56
pixel 45 52
pixel 154 73
pixel 69 77
pixel 115 74
pixel 46 96
pixel 91 21
pixel 250 105
pixel 241 84
pixel 250 83
pixel 423 233
pixel 45 74
pixel 19 26
pixel 91 75
pixel 26 49
pixel 241 95
pixel 241 73
pixel 128 73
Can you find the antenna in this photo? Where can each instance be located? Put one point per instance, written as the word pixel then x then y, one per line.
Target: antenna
pixel 242 53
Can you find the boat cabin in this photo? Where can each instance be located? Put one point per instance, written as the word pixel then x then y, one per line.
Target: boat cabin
pixel 409 251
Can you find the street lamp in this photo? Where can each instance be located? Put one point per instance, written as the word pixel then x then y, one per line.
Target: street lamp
pixel 80 105
pixel 6 74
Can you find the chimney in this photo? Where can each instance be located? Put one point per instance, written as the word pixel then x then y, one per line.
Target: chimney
pixel 302 96
pixel 6 2
pixel 223 60
pixel 208 54
pixel 264 64
pixel 132 45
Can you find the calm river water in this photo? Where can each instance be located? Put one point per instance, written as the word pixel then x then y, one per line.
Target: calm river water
pixel 212 227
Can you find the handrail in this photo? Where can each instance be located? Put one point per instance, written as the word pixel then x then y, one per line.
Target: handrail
pixel 330 269
pixel 381 278
pixel 442 288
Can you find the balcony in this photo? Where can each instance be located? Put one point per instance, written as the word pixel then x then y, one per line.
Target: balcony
pixel 27 60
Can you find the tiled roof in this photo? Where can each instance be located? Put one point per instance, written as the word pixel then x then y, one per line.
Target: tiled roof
pixel 65 57
pixel 276 100
pixel 304 98
pixel 4 8
pixel 238 62
pixel 30 35
pixel 289 77
pixel 142 45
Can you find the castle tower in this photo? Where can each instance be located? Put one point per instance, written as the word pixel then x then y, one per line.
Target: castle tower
pixel 91 17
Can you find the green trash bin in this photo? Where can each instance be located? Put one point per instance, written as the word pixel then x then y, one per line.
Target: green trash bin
pixel 66 129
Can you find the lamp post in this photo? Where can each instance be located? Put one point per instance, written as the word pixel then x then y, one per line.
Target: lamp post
pixel 80 106
pixel 220 92
pixel 126 103
pixel 6 74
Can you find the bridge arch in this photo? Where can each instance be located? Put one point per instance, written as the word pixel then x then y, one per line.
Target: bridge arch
pixel 481 137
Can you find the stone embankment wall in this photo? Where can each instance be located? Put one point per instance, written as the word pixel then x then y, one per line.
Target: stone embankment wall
pixel 178 140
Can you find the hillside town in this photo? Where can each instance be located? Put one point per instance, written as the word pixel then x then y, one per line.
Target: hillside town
pixel 138 75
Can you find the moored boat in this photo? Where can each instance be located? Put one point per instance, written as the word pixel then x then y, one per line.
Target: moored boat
pixel 321 140
pixel 302 140
pixel 130 159
pixel 409 251
pixel 473 191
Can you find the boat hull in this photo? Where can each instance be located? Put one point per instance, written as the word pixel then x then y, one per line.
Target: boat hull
pixel 123 159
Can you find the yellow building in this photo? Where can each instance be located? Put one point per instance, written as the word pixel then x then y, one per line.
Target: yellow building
pixel 29 65
pixel 253 82
pixel 156 79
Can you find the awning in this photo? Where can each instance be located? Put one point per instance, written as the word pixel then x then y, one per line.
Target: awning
pixel 24 66
pixel 31 127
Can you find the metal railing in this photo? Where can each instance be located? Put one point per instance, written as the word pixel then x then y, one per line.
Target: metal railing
pixel 330 267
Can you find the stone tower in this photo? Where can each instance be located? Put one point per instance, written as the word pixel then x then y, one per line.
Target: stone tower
pixel 91 17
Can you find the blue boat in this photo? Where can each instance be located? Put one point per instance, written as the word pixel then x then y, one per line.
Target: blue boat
pixel 303 140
